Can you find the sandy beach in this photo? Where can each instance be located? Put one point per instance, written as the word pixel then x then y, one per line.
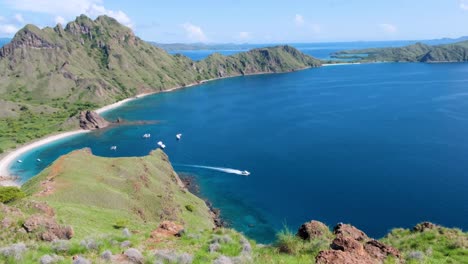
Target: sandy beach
pixel 11 157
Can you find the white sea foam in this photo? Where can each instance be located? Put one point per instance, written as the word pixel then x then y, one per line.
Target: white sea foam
pixel 226 170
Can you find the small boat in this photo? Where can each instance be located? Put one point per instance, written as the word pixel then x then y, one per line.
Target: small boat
pixel 19 161
pixel 147 135
pixel 245 173
pixel 178 136
pixel 38 160
pixel 163 146
pixel 160 143
pixel 113 148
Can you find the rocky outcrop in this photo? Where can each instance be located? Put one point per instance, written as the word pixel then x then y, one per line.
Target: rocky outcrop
pixel 90 120
pixel 349 245
pixel 313 229
pixel 47 228
pixel 166 229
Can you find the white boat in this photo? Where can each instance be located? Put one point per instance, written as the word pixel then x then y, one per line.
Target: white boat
pixel 163 146
pixel 245 173
pixel 178 136
pixel 147 135
pixel 38 160
pixel 113 148
pixel 19 161
pixel 160 143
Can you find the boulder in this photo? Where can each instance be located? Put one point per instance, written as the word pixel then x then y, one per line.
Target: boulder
pixel 167 229
pixel 48 228
pixel 313 229
pixel 90 120
pixel 346 230
pixel 381 251
pixel 421 227
pixel 342 257
pixel 348 244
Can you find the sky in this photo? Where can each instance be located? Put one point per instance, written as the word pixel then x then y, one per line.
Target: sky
pixel 254 21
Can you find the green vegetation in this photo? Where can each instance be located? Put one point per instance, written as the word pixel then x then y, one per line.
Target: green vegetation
pixel 10 194
pixel 457 52
pixel 91 63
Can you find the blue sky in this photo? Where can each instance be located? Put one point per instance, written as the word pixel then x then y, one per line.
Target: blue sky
pixel 253 21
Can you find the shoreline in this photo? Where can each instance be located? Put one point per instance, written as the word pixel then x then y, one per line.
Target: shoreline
pixel 7 159
pixel 11 157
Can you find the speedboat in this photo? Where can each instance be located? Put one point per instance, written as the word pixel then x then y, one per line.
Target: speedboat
pixel 38 160
pixel 113 148
pixel 19 161
pixel 163 146
pixel 245 173
pixel 146 135
pixel 178 136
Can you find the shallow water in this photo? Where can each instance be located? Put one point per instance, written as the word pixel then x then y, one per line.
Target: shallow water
pixel 376 145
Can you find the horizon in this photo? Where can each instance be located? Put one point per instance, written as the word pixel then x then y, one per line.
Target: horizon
pixel 324 22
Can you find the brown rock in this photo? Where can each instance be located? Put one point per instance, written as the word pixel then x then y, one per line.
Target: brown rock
pixel 167 229
pixel 380 251
pixel 346 230
pixel 48 229
pixel 421 227
pixel 348 244
pixel 91 120
pixel 342 257
pixel 312 229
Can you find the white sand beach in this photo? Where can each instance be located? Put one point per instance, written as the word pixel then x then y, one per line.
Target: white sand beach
pixel 11 157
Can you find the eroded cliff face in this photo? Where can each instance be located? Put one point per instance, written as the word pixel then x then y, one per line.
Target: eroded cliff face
pixel 91 120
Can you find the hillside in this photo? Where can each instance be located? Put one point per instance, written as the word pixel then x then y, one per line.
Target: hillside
pixel 89 209
pixel 50 74
pixel 456 52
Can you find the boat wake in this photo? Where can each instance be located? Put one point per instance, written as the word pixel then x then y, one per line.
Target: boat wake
pixel 225 170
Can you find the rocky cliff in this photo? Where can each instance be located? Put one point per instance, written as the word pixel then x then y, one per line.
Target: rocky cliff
pixel 91 120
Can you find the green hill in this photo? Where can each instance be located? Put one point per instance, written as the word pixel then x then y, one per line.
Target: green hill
pixel 135 210
pixel 457 52
pixel 50 74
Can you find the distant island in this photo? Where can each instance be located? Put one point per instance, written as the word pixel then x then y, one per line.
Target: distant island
pixel 419 52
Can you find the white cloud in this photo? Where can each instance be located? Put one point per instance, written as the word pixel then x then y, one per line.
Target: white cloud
pixel 60 20
pixel 8 29
pixel 244 35
pixel 299 20
pixel 464 4
pixel 69 8
pixel 388 28
pixel 194 33
pixel 19 18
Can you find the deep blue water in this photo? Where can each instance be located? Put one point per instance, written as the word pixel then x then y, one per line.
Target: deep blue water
pixel 376 145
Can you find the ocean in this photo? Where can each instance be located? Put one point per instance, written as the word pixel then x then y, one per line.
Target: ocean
pixel 376 145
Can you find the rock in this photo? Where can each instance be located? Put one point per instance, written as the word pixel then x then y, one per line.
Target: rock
pixel 346 230
pixel 381 251
pixel 421 227
pixel 313 229
pixel 48 228
pixel 341 257
pixel 91 120
pixel 134 256
pixel 348 244
pixel 106 255
pixel 167 229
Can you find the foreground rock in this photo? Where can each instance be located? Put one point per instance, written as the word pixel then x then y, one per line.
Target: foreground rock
pixel 90 120
pixel 349 246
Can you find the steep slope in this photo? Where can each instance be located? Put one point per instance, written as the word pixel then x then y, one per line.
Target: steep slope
pixel 457 52
pixel 93 194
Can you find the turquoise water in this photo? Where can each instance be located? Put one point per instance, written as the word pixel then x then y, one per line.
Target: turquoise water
pixel 376 145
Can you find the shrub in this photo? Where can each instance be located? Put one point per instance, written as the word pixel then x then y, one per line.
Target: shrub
pixel 189 208
pixel 10 193
pixel 121 223
pixel 14 251
pixel 288 243
pixel 1 150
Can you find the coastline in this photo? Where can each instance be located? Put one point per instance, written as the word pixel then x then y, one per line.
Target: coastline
pixel 11 156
